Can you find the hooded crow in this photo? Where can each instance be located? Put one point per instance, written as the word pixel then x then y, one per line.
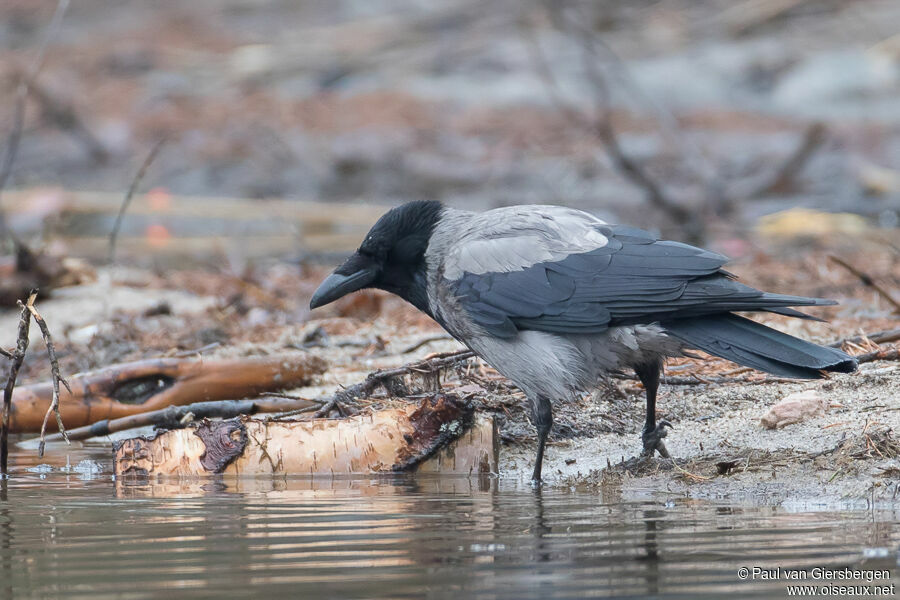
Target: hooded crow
pixel 555 299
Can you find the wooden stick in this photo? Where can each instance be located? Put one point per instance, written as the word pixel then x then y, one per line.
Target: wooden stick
pixel 172 417
pixel 54 373
pixel 884 354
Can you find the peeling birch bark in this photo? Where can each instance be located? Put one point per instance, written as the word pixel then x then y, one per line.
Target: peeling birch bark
pixel 440 435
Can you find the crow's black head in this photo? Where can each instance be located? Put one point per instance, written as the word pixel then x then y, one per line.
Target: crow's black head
pixel 391 258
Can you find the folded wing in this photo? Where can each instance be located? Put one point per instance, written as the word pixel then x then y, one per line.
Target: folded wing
pixel 564 271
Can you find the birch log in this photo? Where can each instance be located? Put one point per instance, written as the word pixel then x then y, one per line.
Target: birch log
pixel 440 435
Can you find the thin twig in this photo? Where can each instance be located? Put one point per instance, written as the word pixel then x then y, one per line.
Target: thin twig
pixel 879 337
pixel 424 341
pixel 114 234
pixel 54 373
pixel 15 136
pixel 427 367
pixel 196 351
pixel 688 474
pixel 174 417
pixel 294 413
pixel 868 281
pixel 632 169
pixel 885 354
pixel 601 125
pixel 15 365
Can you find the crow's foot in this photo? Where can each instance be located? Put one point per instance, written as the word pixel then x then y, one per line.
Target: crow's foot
pixel 653 439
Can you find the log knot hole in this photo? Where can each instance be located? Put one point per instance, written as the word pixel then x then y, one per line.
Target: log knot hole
pixel 224 442
pixel 137 390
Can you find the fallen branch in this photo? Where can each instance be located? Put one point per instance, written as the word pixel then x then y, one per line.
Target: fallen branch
pixel 15 365
pixel 175 417
pixel 139 387
pixel 114 234
pixel 867 280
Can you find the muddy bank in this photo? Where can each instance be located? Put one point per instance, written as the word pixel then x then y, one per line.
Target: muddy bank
pixel 722 449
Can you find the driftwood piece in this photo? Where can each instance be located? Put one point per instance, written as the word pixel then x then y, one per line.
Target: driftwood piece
pixel 441 434
pixel 154 384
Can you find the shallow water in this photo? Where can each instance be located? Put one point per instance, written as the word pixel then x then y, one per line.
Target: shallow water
pixel 74 532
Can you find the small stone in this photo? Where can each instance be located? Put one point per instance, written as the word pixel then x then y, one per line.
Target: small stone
pixel 795 408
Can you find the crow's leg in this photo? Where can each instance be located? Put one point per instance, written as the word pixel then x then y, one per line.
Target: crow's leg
pixel 654 432
pixel 542 415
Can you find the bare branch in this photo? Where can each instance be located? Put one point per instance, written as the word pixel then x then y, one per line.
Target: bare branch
pixel 428 368
pixel 114 234
pixel 868 281
pixel 629 167
pixel 54 373
pixel 601 125
pixel 15 365
pixel 15 136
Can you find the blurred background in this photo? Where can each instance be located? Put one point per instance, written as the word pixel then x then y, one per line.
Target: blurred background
pixel 263 138
pixel 684 116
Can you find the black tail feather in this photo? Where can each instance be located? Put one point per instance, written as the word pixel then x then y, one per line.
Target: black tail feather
pixel 754 345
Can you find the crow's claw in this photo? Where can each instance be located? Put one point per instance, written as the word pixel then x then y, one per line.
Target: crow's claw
pixel 653 439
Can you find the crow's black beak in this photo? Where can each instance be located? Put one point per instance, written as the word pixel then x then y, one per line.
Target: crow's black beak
pixel 340 283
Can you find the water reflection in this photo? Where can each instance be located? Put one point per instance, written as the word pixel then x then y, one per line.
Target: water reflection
pixel 403 536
